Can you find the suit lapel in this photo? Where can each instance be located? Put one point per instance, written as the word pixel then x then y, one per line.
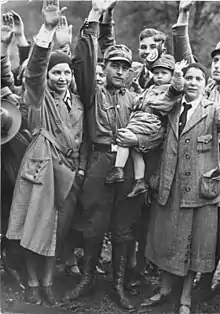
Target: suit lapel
pixel 173 117
pixel 200 113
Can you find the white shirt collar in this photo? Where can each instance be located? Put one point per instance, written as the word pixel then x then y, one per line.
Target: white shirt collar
pixel 194 103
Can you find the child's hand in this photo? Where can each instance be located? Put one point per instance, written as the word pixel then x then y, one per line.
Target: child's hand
pixel 179 66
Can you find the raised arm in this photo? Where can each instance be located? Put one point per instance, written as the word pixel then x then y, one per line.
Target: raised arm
pixel 181 42
pixel 86 56
pixel 35 75
pixel 106 29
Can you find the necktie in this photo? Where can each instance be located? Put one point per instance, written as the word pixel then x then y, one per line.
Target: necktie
pixel 183 117
pixel 67 101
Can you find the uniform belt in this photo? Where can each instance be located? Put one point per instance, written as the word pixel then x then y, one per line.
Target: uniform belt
pixel 105 148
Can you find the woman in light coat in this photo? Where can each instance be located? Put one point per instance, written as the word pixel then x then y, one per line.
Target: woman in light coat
pixel 45 193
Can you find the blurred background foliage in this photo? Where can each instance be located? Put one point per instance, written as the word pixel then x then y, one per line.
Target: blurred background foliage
pixel 130 18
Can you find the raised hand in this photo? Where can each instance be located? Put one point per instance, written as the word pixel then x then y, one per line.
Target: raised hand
pixel 52 13
pixel 102 5
pixel 7 29
pixel 112 4
pixel 179 66
pixel 64 32
pixel 18 24
pixel 185 5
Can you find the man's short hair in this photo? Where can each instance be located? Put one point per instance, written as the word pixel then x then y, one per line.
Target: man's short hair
pixel 151 32
pixel 197 65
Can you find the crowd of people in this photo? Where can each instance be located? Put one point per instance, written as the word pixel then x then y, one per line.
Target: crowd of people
pixel 95 145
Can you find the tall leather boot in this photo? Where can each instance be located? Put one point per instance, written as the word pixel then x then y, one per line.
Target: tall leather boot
pixel 119 263
pixel 91 256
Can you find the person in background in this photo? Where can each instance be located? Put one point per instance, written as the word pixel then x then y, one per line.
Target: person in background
pixel 12 153
pixel 100 74
pixel 47 184
pixel 182 49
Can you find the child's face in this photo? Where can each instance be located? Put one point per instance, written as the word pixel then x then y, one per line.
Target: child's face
pixel 161 76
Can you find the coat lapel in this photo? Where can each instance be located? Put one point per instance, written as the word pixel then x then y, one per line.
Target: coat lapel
pixel 200 113
pixel 173 117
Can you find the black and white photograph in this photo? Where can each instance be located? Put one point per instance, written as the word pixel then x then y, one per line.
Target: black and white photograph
pixel 110 157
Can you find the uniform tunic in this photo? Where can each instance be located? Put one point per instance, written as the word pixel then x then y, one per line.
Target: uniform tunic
pixel 106 111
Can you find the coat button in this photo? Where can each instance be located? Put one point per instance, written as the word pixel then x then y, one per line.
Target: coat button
pixel 187 189
pixel 187 173
pixel 187 140
pixel 187 156
pixel 57 131
pixel 58 121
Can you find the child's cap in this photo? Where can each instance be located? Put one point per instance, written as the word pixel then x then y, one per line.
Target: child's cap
pixel 166 61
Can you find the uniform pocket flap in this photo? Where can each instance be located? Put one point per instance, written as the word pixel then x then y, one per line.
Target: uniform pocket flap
pixel 204 138
pixel 210 184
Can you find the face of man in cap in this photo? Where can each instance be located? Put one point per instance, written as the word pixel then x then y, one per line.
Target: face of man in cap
pixel 194 84
pixel 116 73
pixel 59 78
pixel 215 67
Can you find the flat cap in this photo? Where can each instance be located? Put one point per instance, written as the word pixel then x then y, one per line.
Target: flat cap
pixel 118 53
pixel 166 61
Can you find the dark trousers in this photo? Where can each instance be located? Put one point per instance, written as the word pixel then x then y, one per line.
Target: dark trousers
pixel 65 221
pixel 106 207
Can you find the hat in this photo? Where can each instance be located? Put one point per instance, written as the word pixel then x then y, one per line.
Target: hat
pixel 57 57
pixel 118 53
pixel 216 50
pixel 10 120
pixel 165 61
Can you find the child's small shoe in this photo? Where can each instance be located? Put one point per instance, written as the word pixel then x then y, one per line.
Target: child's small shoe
pixel 115 175
pixel 139 187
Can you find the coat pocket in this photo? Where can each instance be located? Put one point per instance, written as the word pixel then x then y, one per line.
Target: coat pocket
pixel 210 184
pixel 35 169
pixel 204 143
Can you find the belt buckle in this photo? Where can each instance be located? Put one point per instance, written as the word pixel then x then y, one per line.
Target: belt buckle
pixel 114 148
